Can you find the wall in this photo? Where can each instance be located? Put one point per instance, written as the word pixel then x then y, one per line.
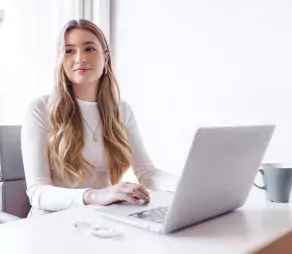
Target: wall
pixel 185 64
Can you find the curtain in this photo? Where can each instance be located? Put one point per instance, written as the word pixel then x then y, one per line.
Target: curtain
pixel 28 47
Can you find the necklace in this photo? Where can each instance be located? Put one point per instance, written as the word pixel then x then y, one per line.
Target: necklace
pixel 94 136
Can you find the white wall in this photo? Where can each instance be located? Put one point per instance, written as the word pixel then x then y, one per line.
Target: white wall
pixel 183 64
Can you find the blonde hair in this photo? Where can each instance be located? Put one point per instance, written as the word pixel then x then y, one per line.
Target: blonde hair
pixel 66 140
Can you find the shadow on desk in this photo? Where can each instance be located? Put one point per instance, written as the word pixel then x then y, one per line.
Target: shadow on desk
pixel 240 224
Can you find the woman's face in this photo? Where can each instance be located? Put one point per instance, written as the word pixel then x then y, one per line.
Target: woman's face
pixel 84 58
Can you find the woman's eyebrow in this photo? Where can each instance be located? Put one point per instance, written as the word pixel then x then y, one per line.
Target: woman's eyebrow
pixel 85 43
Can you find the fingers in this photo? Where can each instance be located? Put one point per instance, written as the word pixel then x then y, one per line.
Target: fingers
pixel 127 198
pixel 135 190
pixel 144 191
pixel 138 194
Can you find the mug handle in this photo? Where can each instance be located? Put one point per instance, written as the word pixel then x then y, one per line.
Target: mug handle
pixel 260 187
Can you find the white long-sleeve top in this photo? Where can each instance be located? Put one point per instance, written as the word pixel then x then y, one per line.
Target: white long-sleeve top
pixel 46 192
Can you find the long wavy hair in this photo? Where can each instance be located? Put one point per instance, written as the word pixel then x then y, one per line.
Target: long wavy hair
pixel 66 136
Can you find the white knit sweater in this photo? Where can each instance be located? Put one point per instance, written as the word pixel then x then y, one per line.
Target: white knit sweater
pixel 46 191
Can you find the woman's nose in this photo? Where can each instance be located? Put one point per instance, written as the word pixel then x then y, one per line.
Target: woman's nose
pixel 80 58
pixel 81 61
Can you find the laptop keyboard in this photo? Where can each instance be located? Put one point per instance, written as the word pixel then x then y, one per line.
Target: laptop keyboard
pixel 154 215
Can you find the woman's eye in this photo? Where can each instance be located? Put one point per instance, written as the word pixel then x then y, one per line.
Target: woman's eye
pixel 90 49
pixel 69 51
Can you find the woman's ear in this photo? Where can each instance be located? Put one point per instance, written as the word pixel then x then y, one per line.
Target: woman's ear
pixel 107 56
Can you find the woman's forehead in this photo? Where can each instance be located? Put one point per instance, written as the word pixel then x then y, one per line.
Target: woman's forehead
pixel 77 37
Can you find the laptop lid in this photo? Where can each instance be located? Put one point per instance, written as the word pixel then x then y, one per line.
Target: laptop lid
pixel 218 173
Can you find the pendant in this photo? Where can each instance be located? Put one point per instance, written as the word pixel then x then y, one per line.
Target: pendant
pixel 94 138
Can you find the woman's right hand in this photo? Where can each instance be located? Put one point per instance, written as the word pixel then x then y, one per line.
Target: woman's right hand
pixel 121 192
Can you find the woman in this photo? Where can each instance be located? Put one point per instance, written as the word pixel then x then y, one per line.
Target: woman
pixel 78 142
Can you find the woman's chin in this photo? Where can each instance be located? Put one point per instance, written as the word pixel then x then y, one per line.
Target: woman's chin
pixel 85 82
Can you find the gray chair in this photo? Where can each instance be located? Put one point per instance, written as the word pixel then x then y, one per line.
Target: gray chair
pixel 5 217
pixel 13 198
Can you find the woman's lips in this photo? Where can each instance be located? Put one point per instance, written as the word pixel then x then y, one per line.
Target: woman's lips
pixel 82 70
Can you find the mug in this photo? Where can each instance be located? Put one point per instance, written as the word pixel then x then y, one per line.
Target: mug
pixel 277 182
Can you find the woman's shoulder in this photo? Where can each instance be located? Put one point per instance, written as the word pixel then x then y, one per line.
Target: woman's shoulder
pixel 39 103
pixel 38 106
pixel 37 114
pixel 126 111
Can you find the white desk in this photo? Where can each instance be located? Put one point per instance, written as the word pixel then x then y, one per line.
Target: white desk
pixel 251 226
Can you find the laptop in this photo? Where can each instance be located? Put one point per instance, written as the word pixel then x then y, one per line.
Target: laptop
pixel 217 177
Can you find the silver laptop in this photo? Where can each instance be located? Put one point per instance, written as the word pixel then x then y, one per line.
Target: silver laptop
pixel 217 177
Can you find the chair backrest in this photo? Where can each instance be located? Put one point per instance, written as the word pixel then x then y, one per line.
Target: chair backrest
pixel 13 198
pixel 5 217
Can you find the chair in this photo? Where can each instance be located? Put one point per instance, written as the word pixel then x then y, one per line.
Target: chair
pixel 13 198
pixel 5 217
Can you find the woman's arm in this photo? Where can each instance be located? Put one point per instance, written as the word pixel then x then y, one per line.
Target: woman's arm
pixel 40 190
pixel 147 174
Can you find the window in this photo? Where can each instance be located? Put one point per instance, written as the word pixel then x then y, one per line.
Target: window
pixel 28 46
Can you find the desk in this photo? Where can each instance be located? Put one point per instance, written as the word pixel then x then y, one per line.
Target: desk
pixel 251 226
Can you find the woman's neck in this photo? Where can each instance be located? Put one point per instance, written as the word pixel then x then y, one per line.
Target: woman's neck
pixel 85 92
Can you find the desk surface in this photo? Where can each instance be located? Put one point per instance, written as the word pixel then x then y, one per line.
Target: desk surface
pixel 251 226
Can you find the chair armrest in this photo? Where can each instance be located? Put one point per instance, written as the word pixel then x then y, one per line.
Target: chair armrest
pixel 5 217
